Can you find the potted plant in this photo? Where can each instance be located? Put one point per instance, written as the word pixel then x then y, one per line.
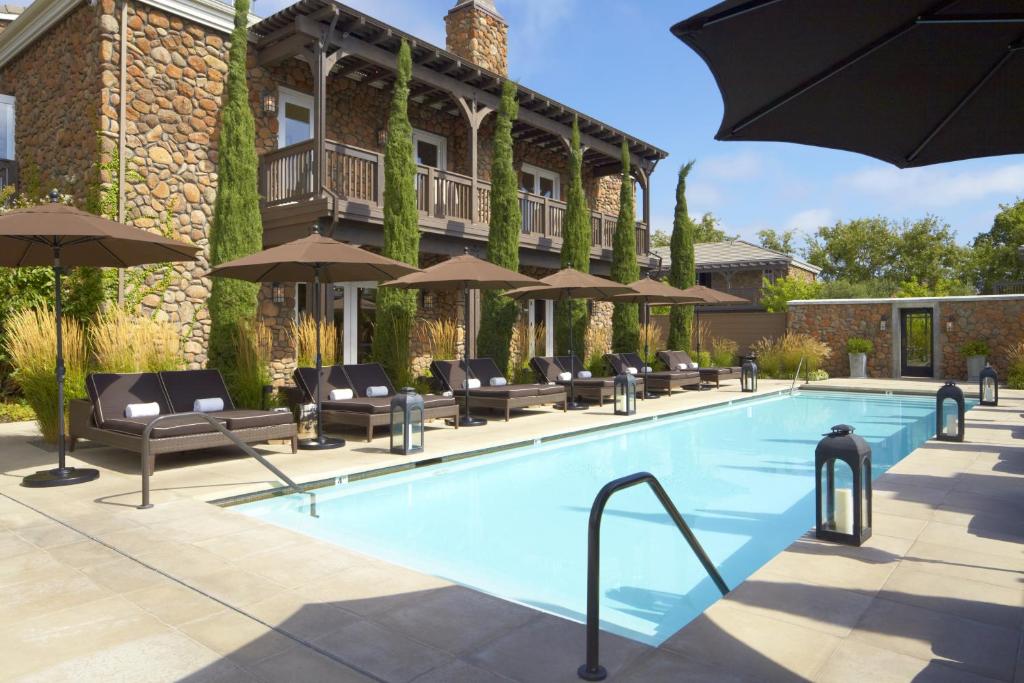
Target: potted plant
pixel 975 351
pixel 858 349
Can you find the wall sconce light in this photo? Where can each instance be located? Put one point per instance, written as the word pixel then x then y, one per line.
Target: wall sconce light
pixel 426 301
pixel 883 324
pixel 382 137
pixel 277 293
pixel 949 324
pixel 269 102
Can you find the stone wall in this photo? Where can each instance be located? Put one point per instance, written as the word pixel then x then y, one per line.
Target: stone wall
pixel 834 324
pixel 55 82
pixel 998 322
pixel 475 31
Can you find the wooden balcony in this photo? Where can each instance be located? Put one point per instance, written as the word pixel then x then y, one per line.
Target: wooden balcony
pixel 448 202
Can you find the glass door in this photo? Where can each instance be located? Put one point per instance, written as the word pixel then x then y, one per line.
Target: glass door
pixel 916 351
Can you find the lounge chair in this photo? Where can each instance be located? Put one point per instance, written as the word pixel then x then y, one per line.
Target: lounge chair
pixel 102 418
pixel 362 410
pixel 503 398
pixel 551 369
pixel 674 359
pixel 656 381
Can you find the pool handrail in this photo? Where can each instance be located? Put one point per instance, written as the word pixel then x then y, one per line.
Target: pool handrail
pixel 592 670
pixel 796 375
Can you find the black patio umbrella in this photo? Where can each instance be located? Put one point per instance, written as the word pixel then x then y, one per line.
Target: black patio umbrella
pixel 913 82
pixel 315 259
pixel 61 237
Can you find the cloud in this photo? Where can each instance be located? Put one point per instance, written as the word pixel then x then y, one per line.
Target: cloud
pixel 702 197
pixel 740 166
pixel 935 186
pixel 809 220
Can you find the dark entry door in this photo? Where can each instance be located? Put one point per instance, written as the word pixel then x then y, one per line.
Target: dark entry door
pixel 916 351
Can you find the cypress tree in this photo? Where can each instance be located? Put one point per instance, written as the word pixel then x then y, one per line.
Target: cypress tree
pixel 625 269
pixel 575 250
pixel 396 308
pixel 682 269
pixel 498 314
pixel 237 227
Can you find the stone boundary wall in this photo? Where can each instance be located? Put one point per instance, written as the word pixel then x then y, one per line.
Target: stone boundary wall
pixel 998 322
pixel 834 324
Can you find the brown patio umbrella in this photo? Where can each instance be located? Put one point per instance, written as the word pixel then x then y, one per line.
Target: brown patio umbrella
pixel 649 291
pixel 565 285
pixel 315 259
pixel 709 297
pixel 61 236
pixel 464 272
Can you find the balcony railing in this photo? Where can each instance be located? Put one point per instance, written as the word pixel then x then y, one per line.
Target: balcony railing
pixel 357 175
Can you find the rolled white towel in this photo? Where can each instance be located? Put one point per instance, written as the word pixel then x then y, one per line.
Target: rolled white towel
pixel 694 366
pixel 647 368
pixel 584 374
pixel 447 394
pixel 498 382
pixel 683 366
pixel 564 376
pixel 472 383
pixel 208 405
pixel 376 392
pixel 631 370
pixel 341 394
pixel 142 410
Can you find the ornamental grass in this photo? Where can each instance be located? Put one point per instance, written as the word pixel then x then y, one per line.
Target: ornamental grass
pixel 123 342
pixel 250 372
pixel 724 352
pixel 304 334
pixel 441 338
pixel 779 357
pixel 1015 376
pixel 31 341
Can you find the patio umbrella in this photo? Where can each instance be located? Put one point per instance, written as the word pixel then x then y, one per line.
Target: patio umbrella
pixel 61 236
pixel 913 83
pixel 464 272
pixel 315 259
pixel 649 291
pixel 565 285
pixel 708 297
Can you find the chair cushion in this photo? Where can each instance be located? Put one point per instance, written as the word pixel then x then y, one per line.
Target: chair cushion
pixel 383 404
pixel 548 390
pixel 331 377
pixel 251 419
pixel 110 393
pixel 509 391
pixel 175 425
pixel 363 377
pixel 183 387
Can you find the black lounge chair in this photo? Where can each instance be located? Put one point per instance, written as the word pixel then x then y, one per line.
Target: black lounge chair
pixel 362 410
pixel 102 419
pixel 673 359
pixel 503 398
pixel 550 368
pixel 656 381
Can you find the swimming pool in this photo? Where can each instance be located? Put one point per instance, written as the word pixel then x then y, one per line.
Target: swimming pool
pixel 514 523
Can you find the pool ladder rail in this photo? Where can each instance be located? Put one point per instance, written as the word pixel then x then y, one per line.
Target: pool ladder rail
pixel 592 670
pixel 796 375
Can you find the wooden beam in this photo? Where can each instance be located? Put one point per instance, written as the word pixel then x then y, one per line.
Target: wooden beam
pixel 284 49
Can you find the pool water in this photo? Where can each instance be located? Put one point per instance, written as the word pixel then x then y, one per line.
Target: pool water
pixel 514 523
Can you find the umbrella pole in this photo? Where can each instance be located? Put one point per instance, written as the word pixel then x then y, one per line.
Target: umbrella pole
pixel 319 442
pixel 570 400
pixel 467 420
pixel 63 475
pixel 647 350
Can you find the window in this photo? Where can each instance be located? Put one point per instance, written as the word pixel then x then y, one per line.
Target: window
pixel 430 149
pixel 6 127
pixel 294 117
pixel 704 279
pixel 540 182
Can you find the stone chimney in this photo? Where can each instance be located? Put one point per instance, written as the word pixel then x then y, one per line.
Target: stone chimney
pixel 476 32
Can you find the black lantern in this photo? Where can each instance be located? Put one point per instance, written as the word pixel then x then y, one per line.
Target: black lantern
pixel 277 293
pixel 268 100
pixel 988 387
pixel 748 375
pixel 625 394
pixel 382 137
pixel 843 497
pixel 407 422
pixel 949 413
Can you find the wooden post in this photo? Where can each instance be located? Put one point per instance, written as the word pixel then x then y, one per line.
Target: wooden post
pixel 378 194
pixel 431 193
pixel 475 116
pixel 319 117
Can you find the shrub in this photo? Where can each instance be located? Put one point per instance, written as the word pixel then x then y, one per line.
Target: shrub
pixel 597 365
pixel 395 358
pixel 859 345
pixel 775 296
pixel 123 342
pixel 779 358
pixel 31 338
pixel 441 337
pixel 304 334
pixel 16 411
pixel 1015 371
pixel 702 358
pixel 817 375
pixel 975 347
pixel 253 344
pixel 723 352
pixel 656 337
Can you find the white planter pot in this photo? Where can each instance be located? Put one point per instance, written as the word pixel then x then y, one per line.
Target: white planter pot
pixel 858 365
pixel 975 364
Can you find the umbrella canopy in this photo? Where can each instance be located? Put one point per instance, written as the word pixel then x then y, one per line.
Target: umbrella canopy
pixel 463 272
pixel 312 257
pixel 707 296
pixel 29 236
pixel 570 283
pixel 649 291
pixel 914 82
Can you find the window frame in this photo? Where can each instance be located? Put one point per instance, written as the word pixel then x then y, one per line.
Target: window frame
pixel 285 95
pixel 537 172
pixel 439 141
pixel 11 114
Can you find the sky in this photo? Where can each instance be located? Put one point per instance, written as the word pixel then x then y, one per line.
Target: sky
pixel 616 61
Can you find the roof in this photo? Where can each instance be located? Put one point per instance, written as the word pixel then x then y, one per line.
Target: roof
pixel 10 12
pixel 381 36
pixel 736 254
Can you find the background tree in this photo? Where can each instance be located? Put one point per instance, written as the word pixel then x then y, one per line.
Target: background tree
pixel 575 250
pixel 237 227
pixel 625 269
pixel 998 254
pixel 682 268
pixel 781 242
pixel 498 315
pixel 397 308
pixel 707 230
pixel 858 251
pixel 661 240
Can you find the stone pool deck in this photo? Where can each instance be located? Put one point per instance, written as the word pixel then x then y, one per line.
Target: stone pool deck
pixel 94 589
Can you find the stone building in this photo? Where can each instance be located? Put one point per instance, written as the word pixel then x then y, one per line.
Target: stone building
pixel 140 82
